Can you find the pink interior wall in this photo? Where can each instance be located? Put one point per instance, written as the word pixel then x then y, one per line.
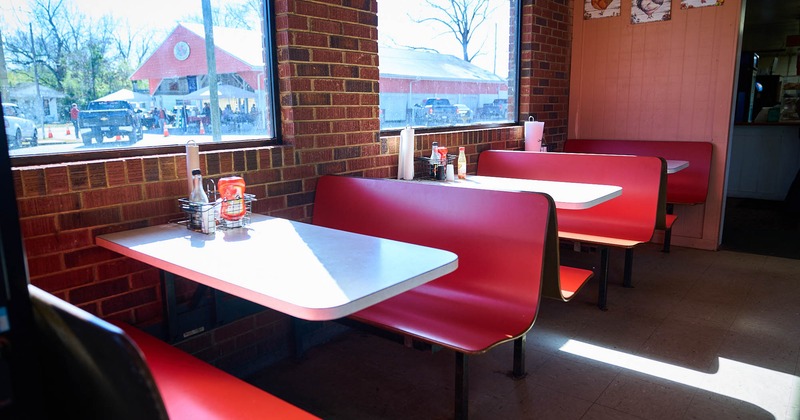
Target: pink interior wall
pixel 668 80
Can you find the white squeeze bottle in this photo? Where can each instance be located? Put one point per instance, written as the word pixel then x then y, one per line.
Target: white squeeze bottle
pixel 462 164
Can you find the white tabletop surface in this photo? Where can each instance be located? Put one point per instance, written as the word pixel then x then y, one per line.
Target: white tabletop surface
pixel 566 195
pixel 676 165
pixel 303 270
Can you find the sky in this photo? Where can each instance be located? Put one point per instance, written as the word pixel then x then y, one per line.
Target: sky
pixel 158 13
pixel 396 27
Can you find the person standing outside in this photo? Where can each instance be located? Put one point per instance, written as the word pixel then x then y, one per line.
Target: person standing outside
pixel 184 118
pixel 73 115
pixel 162 118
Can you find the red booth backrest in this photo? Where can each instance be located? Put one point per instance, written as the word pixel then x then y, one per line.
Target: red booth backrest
pixel 688 186
pixel 631 216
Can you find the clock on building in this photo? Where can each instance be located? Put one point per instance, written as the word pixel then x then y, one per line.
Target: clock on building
pixel 181 50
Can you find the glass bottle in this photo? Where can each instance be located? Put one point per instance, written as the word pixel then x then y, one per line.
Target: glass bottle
pixel 198 199
pixel 434 159
pixel 462 164
pixel 198 194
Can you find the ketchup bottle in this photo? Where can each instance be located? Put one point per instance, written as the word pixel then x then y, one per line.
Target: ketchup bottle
pixel 231 190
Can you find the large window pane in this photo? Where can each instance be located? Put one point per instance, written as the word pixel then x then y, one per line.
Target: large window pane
pixel 446 62
pixel 138 72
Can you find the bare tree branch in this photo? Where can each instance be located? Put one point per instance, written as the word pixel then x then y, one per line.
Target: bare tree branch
pixel 461 18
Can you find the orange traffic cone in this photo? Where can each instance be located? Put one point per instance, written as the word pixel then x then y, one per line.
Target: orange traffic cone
pixel 166 132
pixel 68 132
pixel 49 133
pixel 202 130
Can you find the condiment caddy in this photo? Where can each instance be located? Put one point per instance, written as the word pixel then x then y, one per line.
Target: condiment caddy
pixel 208 209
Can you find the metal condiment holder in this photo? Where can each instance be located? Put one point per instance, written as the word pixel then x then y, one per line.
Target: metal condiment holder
pixel 431 166
pixel 197 213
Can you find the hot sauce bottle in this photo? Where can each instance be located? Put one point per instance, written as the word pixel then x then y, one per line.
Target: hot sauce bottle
pixel 231 190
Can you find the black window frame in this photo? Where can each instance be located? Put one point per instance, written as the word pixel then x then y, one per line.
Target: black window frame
pixel 273 96
pixel 517 55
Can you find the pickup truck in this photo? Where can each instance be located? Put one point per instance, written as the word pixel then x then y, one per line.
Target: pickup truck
pixel 435 111
pixel 498 109
pixel 108 119
pixel 18 128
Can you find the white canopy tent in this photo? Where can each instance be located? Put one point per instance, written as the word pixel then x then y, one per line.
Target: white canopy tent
pixel 126 95
pixel 223 92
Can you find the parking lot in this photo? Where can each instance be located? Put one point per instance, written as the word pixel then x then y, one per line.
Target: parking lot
pixel 61 142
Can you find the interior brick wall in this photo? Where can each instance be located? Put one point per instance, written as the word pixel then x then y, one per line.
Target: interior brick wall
pixel 546 39
pixel 328 69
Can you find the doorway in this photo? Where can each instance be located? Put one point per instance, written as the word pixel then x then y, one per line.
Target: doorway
pixel 762 206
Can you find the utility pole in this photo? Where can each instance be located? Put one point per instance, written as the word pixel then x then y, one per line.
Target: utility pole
pixel 38 110
pixel 494 62
pixel 211 64
pixel 3 72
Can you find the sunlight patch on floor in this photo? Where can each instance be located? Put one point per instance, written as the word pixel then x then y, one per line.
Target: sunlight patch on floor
pixel 773 391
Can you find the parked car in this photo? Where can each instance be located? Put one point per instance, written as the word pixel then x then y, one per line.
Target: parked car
pixel 498 109
pixel 18 128
pixel 464 113
pixel 434 111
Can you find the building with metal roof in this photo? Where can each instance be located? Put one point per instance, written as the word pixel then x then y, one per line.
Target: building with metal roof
pixel 407 76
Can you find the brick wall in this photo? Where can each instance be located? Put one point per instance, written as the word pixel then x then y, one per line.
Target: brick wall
pixel 328 71
pixel 546 38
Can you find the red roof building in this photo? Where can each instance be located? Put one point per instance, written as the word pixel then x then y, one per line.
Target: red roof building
pixel 238 53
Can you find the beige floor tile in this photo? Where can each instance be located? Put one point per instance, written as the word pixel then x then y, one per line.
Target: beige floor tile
pixel 689 345
pixel 691 320
pixel 646 399
pixel 617 330
pixel 545 404
pixel 599 412
pixel 710 406
pixel 580 378
pixel 705 312
pixel 767 352
pixel 769 321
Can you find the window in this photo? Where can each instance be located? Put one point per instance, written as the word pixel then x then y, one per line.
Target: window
pixel 138 73
pixel 447 62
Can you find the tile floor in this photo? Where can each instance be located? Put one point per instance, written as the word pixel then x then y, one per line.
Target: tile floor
pixel 702 335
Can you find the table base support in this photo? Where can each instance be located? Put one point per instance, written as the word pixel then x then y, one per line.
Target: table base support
pixel 207 309
pixel 602 293
pixel 519 359
pixel 462 387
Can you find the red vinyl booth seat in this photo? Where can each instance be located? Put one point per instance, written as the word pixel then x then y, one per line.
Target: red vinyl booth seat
pixel 193 389
pixel 99 370
pixel 624 221
pixel 688 186
pixel 506 244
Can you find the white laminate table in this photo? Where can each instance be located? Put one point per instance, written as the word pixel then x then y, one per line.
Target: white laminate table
pixel 566 195
pixel 676 165
pixel 306 271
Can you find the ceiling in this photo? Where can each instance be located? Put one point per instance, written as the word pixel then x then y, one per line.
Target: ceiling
pixel 769 12
pixel 767 23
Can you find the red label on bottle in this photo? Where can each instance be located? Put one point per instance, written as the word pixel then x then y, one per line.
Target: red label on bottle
pixel 231 190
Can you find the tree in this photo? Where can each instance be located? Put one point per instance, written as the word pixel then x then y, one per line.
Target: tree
pixel 51 45
pixel 81 56
pixel 243 16
pixel 461 18
pixel 134 45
